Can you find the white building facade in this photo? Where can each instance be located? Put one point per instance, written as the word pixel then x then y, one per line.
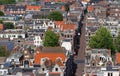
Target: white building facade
pixel 38 41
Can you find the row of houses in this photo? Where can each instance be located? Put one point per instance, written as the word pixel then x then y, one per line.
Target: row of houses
pixel 104 13
pixel 28 55
pixel 99 62
pixel 42 60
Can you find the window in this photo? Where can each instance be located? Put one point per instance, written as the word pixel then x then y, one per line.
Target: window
pixel 4 36
pixel 26 64
pixel 43 69
pixel 110 74
pixel 19 36
pixel 13 35
pixel 56 69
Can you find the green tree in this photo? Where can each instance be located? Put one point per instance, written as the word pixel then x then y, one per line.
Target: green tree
pixel 7 1
pixel 67 8
pixel 1 21
pixel 102 39
pixel 55 15
pixel 9 25
pixel 4 52
pixel 43 17
pixel 1 13
pixel 117 43
pixel 51 39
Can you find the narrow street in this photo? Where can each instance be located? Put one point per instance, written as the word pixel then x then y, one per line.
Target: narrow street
pixel 80 58
pixel 75 63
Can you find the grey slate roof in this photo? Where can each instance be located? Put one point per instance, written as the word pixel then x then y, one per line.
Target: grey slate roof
pixel 53 49
pixel 15 7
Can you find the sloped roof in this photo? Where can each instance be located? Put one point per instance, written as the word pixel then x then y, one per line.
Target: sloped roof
pixel 28 7
pixel 50 52
pixel 90 8
pixel 65 26
pixel 118 58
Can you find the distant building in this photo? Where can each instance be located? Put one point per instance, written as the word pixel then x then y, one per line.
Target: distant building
pixel 95 59
pixel 109 71
pixel 14 9
pixel 38 41
pixel 50 56
pixel 13 34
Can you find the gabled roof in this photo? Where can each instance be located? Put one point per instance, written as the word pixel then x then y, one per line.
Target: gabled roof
pixel 60 63
pixel 52 53
pixel 90 8
pixel 28 7
pixel 65 26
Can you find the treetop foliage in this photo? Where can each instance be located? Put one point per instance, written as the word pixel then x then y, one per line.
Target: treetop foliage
pixel 55 15
pixel 102 39
pixel 51 39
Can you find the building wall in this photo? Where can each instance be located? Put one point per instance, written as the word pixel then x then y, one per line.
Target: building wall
pixel 11 36
pixel 56 69
pixel 3 71
pixel 115 73
pixel 38 41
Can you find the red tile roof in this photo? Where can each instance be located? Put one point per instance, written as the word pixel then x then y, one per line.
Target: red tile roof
pixel 63 8
pixel 68 27
pixel 1 26
pixel 1 7
pixel 50 55
pixel 90 8
pixel 54 72
pixel 63 26
pixel 33 7
pixel 85 0
pixel 118 58
pixel 60 63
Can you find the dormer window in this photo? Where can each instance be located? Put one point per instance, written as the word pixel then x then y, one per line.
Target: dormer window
pixel 110 74
pixel 43 69
pixel 50 23
pixel 93 64
pixel 26 64
pixel 56 69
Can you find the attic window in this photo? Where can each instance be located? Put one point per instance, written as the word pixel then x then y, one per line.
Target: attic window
pixel 93 64
pixel 56 69
pixel 50 23
pixel 43 69
pixel 18 41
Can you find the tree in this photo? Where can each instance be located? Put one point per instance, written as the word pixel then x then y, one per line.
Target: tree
pixel 67 8
pixel 102 39
pixel 1 21
pixel 43 17
pixel 117 43
pixel 7 2
pixel 51 39
pixel 9 25
pixel 55 15
pixel 3 52
pixel 1 13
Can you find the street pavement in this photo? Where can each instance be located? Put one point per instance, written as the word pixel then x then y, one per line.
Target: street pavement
pixel 80 58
